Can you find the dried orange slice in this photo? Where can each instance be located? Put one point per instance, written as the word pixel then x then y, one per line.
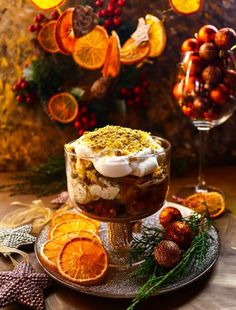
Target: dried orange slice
pixel 112 63
pixel 47 4
pixel 212 202
pixel 73 226
pixel 51 249
pixel 131 53
pixel 83 260
pixel 63 216
pixel 46 37
pixel 186 7
pixel 90 50
pixel 157 35
pixel 64 32
pixel 63 107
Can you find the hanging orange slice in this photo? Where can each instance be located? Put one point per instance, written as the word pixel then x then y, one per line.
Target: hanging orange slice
pixel 112 63
pixel 83 260
pixel 90 50
pixel 47 4
pixel 131 53
pixel 64 32
pixel 64 216
pixel 186 7
pixel 212 202
pixel 46 37
pixel 63 107
pixel 51 249
pixel 73 226
pixel 157 35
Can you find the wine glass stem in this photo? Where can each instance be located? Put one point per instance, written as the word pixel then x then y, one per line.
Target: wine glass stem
pixel 203 135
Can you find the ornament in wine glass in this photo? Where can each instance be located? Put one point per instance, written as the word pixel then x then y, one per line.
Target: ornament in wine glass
pixel 206 86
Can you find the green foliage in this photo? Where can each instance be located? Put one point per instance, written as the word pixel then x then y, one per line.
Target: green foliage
pixel 45 179
pixel 157 276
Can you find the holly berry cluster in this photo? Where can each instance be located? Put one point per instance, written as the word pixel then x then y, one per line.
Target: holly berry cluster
pixel 206 83
pixel 40 19
pixel 25 91
pixel 110 16
pixel 84 120
pixel 136 96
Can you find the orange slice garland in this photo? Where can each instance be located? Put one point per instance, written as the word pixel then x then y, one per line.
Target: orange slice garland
pixel 112 63
pixel 47 4
pixel 90 50
pixel 131 53
pixel 51 249
pixel 157 35
pixel 83 260
pixel 73 226
pixel 186 7
pixel 46 37
pixel 63 107
pixel 64 32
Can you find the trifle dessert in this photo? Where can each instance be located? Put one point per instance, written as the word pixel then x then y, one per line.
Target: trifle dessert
pixel 116 173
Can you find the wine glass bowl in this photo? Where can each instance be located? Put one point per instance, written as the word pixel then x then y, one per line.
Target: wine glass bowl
pixel 121 198
pixel 205 91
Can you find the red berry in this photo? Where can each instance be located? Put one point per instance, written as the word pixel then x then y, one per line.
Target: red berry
pixel 29 99
pixel 130 102
pixel 55 15
pixel 16 87
pixel 137 90
pixel 117 12
pixel 121 2
pixel 77 124
pixel 37 27
pixel 92 116
pixel 92 123
pixel 38 18
pixel 107 22
pixel 98 3
pixel 110 9
pixel 102 13
pixel 137 100
pixel 84 120
pixel 31 28
pixel 23 85
pixel 81 132
pixel 116 21
pixel 112 1
pixel 124 91
pixel 20 98
pixel 84 110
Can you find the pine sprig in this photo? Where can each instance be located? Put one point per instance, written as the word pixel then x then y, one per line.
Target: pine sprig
pixel 194 254
pixel 45 179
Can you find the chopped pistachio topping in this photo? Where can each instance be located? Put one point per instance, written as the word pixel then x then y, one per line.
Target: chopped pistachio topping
pixel 118 140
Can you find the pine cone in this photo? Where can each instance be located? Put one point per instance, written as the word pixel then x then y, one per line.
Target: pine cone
pixel 84 20
pixel 100 87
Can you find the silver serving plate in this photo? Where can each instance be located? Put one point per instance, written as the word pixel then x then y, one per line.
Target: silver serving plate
pixel 119 283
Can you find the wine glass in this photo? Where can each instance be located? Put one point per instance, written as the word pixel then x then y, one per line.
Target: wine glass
pixel 205 93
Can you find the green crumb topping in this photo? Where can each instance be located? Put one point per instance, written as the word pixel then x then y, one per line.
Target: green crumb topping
pixel 118 140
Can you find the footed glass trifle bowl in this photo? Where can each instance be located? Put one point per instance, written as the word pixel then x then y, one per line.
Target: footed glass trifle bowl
pixel 118 175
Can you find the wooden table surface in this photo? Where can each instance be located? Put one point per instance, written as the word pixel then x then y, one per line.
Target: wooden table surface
pixel 216 290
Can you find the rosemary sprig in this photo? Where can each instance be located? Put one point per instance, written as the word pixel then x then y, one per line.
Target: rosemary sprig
pixel 45 179
pixel 195 253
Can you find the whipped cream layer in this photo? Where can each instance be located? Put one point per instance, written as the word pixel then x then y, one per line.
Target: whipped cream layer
pixel 119 151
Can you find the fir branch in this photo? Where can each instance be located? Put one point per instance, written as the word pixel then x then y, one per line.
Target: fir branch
pixel 45 179
pixel 194 254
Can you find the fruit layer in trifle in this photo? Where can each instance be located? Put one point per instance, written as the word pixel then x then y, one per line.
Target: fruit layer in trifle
pixel 117 172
